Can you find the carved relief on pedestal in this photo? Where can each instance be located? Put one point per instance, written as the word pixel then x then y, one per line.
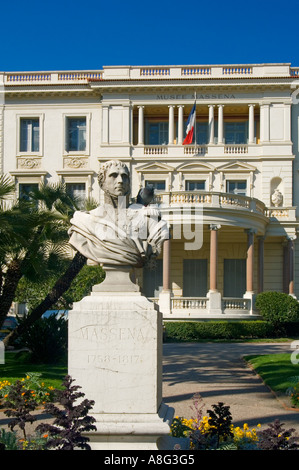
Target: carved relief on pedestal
pixel 75 162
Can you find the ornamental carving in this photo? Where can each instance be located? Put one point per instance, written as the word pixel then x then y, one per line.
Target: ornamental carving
pixel 29 163
pixel 75 162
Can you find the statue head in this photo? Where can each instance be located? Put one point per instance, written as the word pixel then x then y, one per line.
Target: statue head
pixel 114 179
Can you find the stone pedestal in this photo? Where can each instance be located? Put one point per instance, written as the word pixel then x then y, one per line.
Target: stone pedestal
pixel 165 302
pixel 214 302
pixel 115 355
pixel 252 298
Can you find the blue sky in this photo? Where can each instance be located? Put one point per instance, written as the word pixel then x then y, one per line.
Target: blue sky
pixel 77 35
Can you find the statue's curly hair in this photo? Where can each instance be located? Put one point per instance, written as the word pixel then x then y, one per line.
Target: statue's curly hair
pixel 105 166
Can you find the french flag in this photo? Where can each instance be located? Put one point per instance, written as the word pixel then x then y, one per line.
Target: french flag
pixel 190 126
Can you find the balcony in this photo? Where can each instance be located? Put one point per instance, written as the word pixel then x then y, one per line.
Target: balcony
pixel 212 150
pixel 224 208
pixel 210 199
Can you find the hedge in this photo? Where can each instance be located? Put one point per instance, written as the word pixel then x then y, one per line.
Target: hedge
pixel 223 330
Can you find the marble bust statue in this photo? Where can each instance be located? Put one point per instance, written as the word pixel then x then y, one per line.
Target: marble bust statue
pixel 116 232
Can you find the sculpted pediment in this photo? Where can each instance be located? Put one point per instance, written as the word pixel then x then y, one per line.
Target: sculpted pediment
pixel 195 167
pixel 236 166
pixel 155 167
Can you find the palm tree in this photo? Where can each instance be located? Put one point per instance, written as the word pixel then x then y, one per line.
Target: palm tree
pixel 33 242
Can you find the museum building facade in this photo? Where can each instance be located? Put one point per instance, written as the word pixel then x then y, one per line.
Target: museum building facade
pixel 230 197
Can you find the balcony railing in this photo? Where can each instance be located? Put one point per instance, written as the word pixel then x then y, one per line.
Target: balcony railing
pixel 190 303
pixel 195 149
pixel 213 199
pixel 214 150
pixel 155 150
pixel 233 303
pixel 153 73
pixel 235 148
pixel 193 305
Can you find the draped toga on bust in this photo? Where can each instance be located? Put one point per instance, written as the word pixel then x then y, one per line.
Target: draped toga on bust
pixel 129 236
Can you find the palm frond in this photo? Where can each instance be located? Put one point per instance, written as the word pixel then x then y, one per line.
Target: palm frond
pixel 7 187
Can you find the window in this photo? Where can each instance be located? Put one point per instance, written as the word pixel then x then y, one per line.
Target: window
pixel 157 185
pixel 195 278
pixel 236 187
pixel 195 185
pixel 76 190
pixel 153 280
pixel 76 134
pixel 236 132
pixel 29 135
pixel 25 189
pixel 156 133
pixel 202 134
pixel 234 278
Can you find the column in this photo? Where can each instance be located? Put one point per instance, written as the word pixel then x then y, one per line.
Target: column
pixel 211 124
pixel 180 124
pixel 249 261
pixel 261 240
pixel 220 124
pixel 213 257
pixel 214 304
pixel 291 257
pixel 285 249
pixel 140 125
pixel 249 294
pixel 251 124
pixel 165 294
pixel 171 125
pixel 166 265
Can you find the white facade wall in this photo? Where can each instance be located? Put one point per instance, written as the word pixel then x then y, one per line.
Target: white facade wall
pixel 118 101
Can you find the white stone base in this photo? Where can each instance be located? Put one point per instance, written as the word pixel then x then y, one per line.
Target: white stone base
pixel 252 297
pixel 214 303
pixel 131 431
pixel 165 302
pixel 115 356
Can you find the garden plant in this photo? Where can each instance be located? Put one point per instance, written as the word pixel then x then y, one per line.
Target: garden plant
pixel 217 432
pixel 70 418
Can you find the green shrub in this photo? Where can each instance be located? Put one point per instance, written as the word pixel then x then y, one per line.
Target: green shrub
pixel 218 330
pixel 46 339
pixel 278 309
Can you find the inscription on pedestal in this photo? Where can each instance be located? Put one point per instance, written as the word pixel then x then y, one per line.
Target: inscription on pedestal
pixel 117 358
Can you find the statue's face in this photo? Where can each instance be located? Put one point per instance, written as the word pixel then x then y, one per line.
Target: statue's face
pixel 117 181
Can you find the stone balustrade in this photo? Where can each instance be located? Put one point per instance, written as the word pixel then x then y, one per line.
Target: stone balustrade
pixel 213 199
pixel 235 304
pixel 153 73
pixel 189 303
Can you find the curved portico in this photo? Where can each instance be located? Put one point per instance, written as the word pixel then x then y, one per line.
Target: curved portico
pixel 221 237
